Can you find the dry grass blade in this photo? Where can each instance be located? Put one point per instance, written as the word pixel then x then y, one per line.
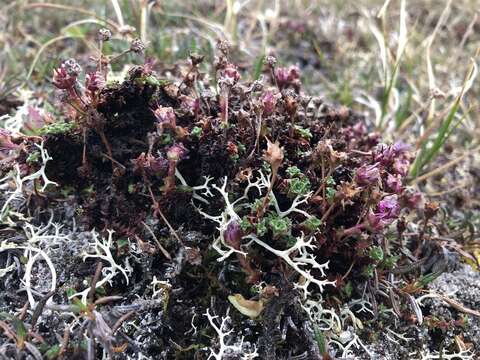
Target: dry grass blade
pixel 114 25
pixel 431 148
pixel 42 49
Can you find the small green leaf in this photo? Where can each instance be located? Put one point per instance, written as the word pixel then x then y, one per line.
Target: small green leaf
pixel 320 339
pixel 53 352
pixel 279 226
pixel 304 133
pixel 262 228
pixel 300 186
pixel 293 171
pixel 312 223
pixel 245 225
pixel 376 253
pixel 348 289
pixel 196 132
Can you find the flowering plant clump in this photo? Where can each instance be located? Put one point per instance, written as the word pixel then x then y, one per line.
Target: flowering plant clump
pixel 249 194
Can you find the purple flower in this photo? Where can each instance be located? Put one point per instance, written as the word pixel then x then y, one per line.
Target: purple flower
pixel 158 164
pixel 389 207
pixel 230 74
pixel 394 183
pixel 285 77
pixel 233 235
pixel 388 210
pixel 72 67
pixel 269 101
pixel 412 198
pixel 6 143
pixel 150 164
pixel 189 104
pixel 104 34
pixel 367 175
pixel 401 166
pixel 66 75
pixel 400 148
pixel 281 75
pixel 359 128
pixel 165 117
pixel 94 81
pixel 176 152
pixel 386 154
pixel 293 73
pixel 35 120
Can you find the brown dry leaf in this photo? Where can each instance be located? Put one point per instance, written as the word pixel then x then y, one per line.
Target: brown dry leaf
pixel 274 154
pixel 460 307
pixel 348 191
pixel 460 343
pixel 250 308
pixel 244 174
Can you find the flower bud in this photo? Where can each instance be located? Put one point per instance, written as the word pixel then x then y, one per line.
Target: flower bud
pixel 269 102
pixel 412 198
pixel 394 183
pixel 231 74
pixel 196 59
pixel 165 117
pixel 104 34
pixel 233 235
pixel 431 209
pixel 94 81
pixel 273 155
pixel 367 175
pixel 72 67
pixel 176 152
pixel 6 143
pixel 66 75
pixel 223 46
pixel 291 103
pixel 137 46
pixel 270 61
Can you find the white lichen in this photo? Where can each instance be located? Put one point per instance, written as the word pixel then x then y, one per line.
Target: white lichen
pixel 224 337
pixel 19 183
pixel 302 261
pixel 102 251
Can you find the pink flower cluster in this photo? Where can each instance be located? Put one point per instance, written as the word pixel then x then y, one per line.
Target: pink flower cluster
pixel 287 76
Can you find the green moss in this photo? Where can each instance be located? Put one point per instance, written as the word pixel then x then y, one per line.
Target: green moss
pixel 33 157
pixel 312 223
pixel 245 225
pixel 293 171
pixel 196 132
pixel 58 128
pixel 262 228
pixel 320 340
pixel 279 226
pixel 53 352
pixel 390 261
pixel 304 133
pixel 368 271
pixel 300 186
pixel 376 253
